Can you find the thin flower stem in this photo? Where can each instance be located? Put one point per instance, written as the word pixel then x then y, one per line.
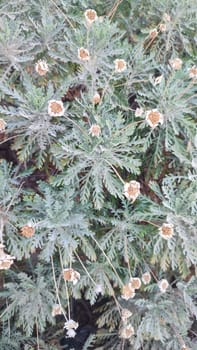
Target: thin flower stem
pixel 82 264
pixel 151 223
pixel 67 293
pixel 73 122
pixel 106 87
pixel 66 18
pixel 37 335
pixel 116 172
pixel 113 268
pixel 127 126
pixel 56 288
pixel 127 255
pixel 114 9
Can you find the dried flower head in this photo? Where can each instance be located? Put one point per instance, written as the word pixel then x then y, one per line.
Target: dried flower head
pixel 41 67
pixel 55 108
pixel 126 332
pixel 127 292
pixel 153 33
pixel 90 16
pixel 166 231
pixel 158 80
pixel 193 72
pixel 70 333
pixel 6 260
pixel 71 275
pixel 96 98
pixel 184 347
pixel 166 17
pixel 162 27
pixel 83 54
pixel 146 277
pixel 125 314
pixel 95 130
pixel 132 190
pixel 71 324
pixel 139 112
pixel 27 230
pixel 176 63
pixel 2 125
pixel 163 285
pixel 56 310
pixel 120 65
pixel 135 282
pixel 154 117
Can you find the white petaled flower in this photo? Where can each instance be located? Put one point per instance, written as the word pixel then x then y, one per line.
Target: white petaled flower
pixel 95 130
pixel 120 65
pixel 55 108
pixel 146 277
pixel 135 282
pixel 184 347
pixel 90 16
pixel 70 333
pixel 162 27
pixel 154 117
pixel 166 231
pixel 139 112
pixel 2 125
pixel 132 190
pixel 71 324
pixel 99 289
pixel 153 33
pixel 163 285
pixel 166 17
pixel 158 80
pixel 96 98
pixel 6 260
pixel 127 292
pixel 193 72
pixel 125 314
pixel 71 275
pixel 176 63
pixel 83 54
pixel 56 310
pixel 41 67
pixel 126 332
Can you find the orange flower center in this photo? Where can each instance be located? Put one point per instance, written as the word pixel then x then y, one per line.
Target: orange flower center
pixel 27 231
pixel 167 231
pixel 91 15
pixel 135 284
pixel 132 190
pixel 55 107
pixel 193 71
pixel 83 54
pixel 120 65
pixel 154 117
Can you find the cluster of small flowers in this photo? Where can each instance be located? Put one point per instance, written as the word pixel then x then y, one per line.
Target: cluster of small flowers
pixel 6 260
pixel 128 290
pixel 71 326
pixel 71 275
pixel 127 330
pixel 153 117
